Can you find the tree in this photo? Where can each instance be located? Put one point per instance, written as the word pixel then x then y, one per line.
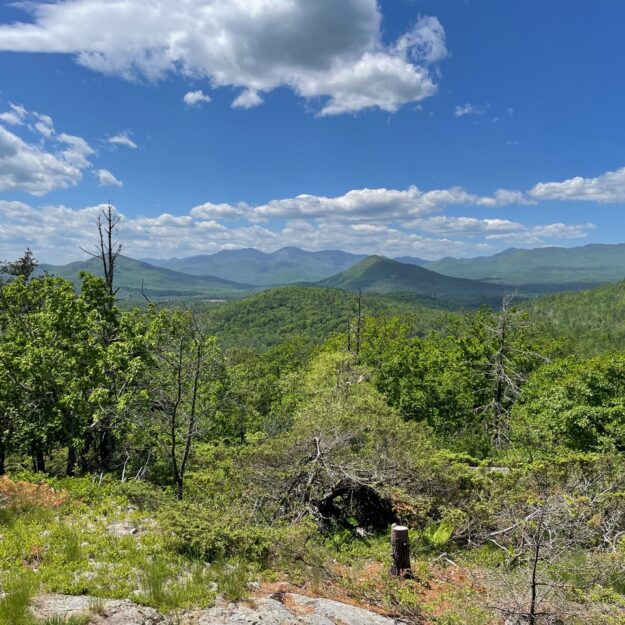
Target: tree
pixel 501 350
pixel 24 266
pixel 185 386
pixel 553 530
pixel 44 354
pixel 56 363
pixel 574 404
pixel 108 249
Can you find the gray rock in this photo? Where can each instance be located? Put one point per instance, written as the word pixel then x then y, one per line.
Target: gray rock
pixel 289 609
pixel 293 610
pixel 123 528
pixel 110 612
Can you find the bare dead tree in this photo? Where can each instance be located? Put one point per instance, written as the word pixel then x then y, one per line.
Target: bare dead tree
pixel 109 248
pixel 188 363
pixel 560 524
pixel 505 379
pixel 359 324
pixel 349 335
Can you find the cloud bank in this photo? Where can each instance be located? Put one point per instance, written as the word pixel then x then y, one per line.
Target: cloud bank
pixel 384 221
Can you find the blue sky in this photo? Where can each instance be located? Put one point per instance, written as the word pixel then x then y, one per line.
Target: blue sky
pixel 424 128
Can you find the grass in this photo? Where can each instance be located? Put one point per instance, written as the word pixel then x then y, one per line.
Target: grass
pixel 69 549
pixel 14 605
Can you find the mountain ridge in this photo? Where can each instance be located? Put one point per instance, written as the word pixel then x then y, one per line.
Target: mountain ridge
pixel 378 274
pixel 134 276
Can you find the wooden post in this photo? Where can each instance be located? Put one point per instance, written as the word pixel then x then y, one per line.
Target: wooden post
pixel 400 552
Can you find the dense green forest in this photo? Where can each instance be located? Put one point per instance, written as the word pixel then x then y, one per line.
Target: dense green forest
pixel 176 454
pixel 591 321
pixel 275 316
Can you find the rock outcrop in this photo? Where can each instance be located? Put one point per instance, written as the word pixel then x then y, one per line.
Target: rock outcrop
pixel 291 609
pixel 102 611
pixel 282 609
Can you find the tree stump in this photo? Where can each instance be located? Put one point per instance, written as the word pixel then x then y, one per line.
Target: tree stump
pixel 400 552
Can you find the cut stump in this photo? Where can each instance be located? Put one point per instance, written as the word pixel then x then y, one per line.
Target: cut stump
pixel 400 552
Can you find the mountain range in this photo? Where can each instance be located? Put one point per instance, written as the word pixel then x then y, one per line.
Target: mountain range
pixel 288 265
pixel 232 274
pixel 537 270
pixel 133 276
pixel 542 269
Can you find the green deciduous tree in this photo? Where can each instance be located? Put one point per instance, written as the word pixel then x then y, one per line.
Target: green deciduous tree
pixel 574 404
pixel 64 370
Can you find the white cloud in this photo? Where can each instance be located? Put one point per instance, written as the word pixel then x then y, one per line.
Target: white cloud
pixel 384 221
pixel 14 116
pixel 608 187
pixel 123 139
pixel 248 99
pixel 195 98
pixel 322 49
pixel 380 204
pixel 107 179
pixel 44 125
pixel 220 211
pixel 500 229
pixel 36 170
pixel 471 109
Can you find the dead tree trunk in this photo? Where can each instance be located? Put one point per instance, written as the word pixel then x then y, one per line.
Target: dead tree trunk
pixel 400 552
pixel 359 323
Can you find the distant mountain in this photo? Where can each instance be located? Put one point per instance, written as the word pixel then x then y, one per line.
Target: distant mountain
pixel 249 266
pixel 412 260
pixel 542 269
pixel 157 281
pixel 382 275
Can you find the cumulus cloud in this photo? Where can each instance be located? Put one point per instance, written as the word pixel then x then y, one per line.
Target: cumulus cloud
pixel 107 179
pixel 123 139
pixel 369 204
pixel 393 222
pixel 322 49
pixel 501 229
pixel 14 116
pixel 32 168
pixel 195 98
pixel 608 187
pixel 55 160
pixel 248 99
pixel 56 233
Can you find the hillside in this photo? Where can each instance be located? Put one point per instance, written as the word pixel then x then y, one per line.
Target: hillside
pixel 273 316
pixel 546 269
pixel 157 281
pixel 382 275
pixel 592 321
pixel 250 266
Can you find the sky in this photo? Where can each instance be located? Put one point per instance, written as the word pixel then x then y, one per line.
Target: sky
pixel 426 128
